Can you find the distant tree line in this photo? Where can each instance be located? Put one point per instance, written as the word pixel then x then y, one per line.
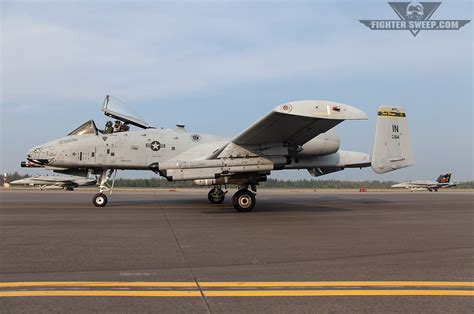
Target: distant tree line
pixel 13 176
pixel 271 183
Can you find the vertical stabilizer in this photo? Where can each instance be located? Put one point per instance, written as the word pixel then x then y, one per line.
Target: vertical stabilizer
pixel 444 178
pixel 392 146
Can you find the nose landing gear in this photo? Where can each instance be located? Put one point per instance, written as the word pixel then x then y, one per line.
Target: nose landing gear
pixel 100 199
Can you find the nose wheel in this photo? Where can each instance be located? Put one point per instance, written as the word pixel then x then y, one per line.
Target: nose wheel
pixel 243 200
pixel 99 200
pixel 216 196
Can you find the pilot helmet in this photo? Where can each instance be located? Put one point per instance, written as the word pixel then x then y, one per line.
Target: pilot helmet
pixel 108 124
pixel 117 123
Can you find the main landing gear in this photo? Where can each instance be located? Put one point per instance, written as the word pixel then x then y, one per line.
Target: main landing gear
pixel 243 200
pixel 100 199
pixel 216 195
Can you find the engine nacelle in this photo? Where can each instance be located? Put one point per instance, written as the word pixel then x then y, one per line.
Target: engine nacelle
pixel 323 144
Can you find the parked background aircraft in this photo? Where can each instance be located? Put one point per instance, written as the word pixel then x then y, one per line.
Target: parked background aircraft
pixel 294 135
pixel 68 183
pixel 441 182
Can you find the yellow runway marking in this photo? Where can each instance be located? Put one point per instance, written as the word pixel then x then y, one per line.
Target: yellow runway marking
pixel 249 293
pixel 340 284
pixel 192 284
pixel 93 293
pixel 336 293
pixel 236 289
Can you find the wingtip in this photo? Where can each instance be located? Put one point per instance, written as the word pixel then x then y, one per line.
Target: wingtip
pixel 322 109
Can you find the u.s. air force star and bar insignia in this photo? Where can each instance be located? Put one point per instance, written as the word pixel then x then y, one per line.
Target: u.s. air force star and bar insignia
pixel 155 146
pixel 414 17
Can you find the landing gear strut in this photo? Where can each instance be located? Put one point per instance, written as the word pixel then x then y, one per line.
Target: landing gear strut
pixel 243 200
pixel 216 195
pixel 100 199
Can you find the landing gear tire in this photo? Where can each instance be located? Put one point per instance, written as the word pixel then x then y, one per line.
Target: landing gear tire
pixel 216 196
pixel 243 200
pixel 99 200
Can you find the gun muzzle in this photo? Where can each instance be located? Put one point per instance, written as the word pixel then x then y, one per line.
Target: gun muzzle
pixel 27 164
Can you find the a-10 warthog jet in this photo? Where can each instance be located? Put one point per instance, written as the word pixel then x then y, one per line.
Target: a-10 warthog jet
pixel 294 135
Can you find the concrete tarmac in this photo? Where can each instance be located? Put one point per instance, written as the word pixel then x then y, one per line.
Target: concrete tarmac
pixel 298 251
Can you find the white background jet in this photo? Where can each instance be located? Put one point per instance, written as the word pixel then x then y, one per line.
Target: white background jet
pixel 68 183
pixel 441 182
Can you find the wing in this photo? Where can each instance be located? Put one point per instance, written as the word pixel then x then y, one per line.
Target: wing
pixel 51 179
pixel 265 145
pixel 295 123
pixel 54 180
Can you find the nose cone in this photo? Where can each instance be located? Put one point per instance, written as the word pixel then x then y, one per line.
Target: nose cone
pixel 19 182
pixel 40 155
pixel 32 152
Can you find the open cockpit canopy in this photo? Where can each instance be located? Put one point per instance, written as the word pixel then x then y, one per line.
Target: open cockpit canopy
pixel 117 109
pixel 87 128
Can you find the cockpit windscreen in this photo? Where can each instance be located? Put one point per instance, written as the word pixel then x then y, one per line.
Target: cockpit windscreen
pixel 87 128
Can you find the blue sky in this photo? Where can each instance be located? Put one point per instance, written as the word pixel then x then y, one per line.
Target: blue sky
pixel 219 66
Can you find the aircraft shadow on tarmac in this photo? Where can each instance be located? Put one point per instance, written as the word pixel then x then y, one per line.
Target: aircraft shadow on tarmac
pixel 282 207
pixel 371 201
pixel 307 204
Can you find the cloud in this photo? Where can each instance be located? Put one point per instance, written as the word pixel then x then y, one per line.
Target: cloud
pixel 170 50
pixel 226 58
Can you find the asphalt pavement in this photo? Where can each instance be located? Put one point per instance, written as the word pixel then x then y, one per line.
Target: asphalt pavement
pixel 298 251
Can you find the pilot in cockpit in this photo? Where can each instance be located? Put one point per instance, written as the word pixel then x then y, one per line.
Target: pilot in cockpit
pixel 109 127
pixel 117 126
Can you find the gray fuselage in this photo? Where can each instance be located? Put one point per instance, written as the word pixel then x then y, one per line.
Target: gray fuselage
pixel 124 150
